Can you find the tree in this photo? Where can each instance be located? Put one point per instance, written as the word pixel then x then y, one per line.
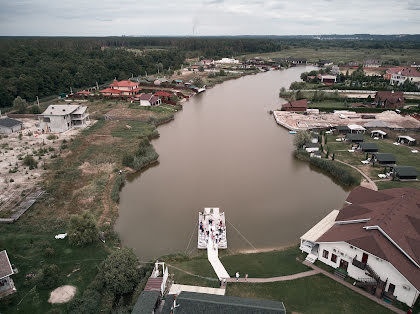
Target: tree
pixel 119 273
pixel 299 95
pixel 50 277
pixel 19 105
pixel 301 137
pixel 201 68
pixel 198 81
pixel 82 229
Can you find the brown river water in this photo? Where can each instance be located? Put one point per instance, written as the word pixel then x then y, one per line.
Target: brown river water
pixel 225 150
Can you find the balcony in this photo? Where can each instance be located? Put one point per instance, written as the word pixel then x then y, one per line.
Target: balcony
pixel 358 264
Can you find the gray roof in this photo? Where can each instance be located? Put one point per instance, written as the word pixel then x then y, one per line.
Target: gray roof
pixel 342 128
pixel 310 145
pixel 5 267
pixel 60 110
pixel 8 123
pixel 385 157
pixel 146 302
pixel 406 171
pixel 369 146
pixel 191 302
pixel 355 137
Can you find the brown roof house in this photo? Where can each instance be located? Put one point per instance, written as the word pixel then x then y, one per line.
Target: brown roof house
pixel 385 99
pixel 298 105
pixel 6 283
pixel 374 239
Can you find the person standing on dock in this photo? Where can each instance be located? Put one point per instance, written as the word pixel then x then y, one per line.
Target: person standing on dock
pixel 237 276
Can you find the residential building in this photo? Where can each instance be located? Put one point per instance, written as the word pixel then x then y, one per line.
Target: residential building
pixel 6 270
pixel 355 128
pixel 405 173
pixel 227 61
pixel 328 79
pixel 8 125
pixel 311 147
pixel 60 118
pixel 386 99
pixel 410 74
pixel 324 63
pixel 354 137
pixel 298 105
pixel 390 71
pixel 384 159
pixel 148 100
pixel 204 303
pixel 377 133
pixel 122 88
pixel 343 129
pixel 372 63
pixel 207 62
pixel 368 147
pixel 374 240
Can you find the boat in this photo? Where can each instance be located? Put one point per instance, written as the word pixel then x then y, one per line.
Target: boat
pixel 212 227
pixel 292 132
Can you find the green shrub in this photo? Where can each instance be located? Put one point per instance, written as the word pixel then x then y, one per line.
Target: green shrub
pixel 341 173
pixel 118 183
pixel 52 137
pixel 50 277
pixel 82 229
pixel 30 162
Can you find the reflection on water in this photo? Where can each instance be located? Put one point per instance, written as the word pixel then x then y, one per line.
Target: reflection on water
pixel 225 150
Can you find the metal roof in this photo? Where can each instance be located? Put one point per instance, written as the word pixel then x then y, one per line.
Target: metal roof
pixel 406 171
pixel 369 146
pixel 146 302
pixel 384 157
pixel 60 110
pixel 355 137
pixel 8 123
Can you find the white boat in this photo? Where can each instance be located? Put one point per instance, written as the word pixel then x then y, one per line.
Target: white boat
pixel 292 132
pixel 212 227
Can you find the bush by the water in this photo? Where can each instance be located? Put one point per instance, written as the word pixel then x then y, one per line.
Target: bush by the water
pixel 338 171
pixel 143 156
pixel 118 183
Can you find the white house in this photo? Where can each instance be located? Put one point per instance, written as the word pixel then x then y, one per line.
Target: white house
pixel 311 147
pixel 374 239
pixel 410 74
pixel 6 283
pixel 372 64
pixel 147 100
pixel 8 125
pixel 227 61
pixel 60 118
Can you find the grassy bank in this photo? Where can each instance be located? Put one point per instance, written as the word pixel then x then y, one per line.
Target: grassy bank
pixel 84 178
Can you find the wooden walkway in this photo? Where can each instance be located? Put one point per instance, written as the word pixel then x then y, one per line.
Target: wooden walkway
pixel 355 289
pixel 213 257
pixel 23 206
pixel 275 279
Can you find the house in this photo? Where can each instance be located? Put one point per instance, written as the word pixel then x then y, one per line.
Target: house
pixel 8 125
pixel 374 240
pixel 388 73
pixel 311 147
pixel 354 137
pixel 124 88
pixel 314 138
pixel 405 173
pixel 160 81
pixel 406 140
pixel 207 62
pixel 383 159
pixel 296 60
pixel 377 133
pixel 324 63
pixel 372 64
pixel 368 147
pixel 298 105
pixel 316 154
pixel 6 270
pixel 343 129
pixel 227 61
pixel 410 74
pixel 203 303
pixel 355 128
pixel 60 118
pixel 328 79
pixel 148 100
pixel 386 99
pixel 163 94
pixel 83 93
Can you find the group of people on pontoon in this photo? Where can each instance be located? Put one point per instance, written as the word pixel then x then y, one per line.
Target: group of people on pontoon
pixel 215 232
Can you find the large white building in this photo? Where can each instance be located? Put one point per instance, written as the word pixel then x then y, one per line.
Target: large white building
pixel 374 239
pixel 411 74
pixel 60 118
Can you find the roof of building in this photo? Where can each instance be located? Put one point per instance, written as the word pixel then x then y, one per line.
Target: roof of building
pixel 412 72
pixel 342 128
pixel 311 145
pixel 5 266
pixel 163 94
pixel 390 96
pixel 146 302
pixel 60 110
pixel 302 103
pixel 369 146
pixel 389 227
pixel 111 90
pixel 80 110
pixel 394 70
pixel 381 157
pixel 406 171
pixel 115 83
pixel 355 137
pixel 150 97
pixel 83 92
pixel 356 127
pixel 408 138
pixel 378 131
pixel 192 302
pixel 321 227
pixel 9 123
pixel 153 284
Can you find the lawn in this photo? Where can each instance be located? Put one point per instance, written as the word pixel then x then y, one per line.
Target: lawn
pixel 314 294
pixel 328 104
pixel 267 264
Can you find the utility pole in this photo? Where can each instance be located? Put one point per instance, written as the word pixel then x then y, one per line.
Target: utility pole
pixel 37 100
pixel 97 86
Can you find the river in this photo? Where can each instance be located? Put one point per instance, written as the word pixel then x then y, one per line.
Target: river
pixel 225 150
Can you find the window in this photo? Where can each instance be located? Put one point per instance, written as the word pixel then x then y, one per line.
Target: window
pixel 325 254
pixel 46 119
pixel 333 258
pixel 391 288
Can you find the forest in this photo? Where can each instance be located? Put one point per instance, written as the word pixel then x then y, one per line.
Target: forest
pixel 45 66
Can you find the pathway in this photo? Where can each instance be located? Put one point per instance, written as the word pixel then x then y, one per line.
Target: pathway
pixel 355 289
pixel 213 257
pixel 275 279
pixel 176 289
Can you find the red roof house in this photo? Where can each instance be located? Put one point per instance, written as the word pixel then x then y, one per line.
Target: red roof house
pixel 298 105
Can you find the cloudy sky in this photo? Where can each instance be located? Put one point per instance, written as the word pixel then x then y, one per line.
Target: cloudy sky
pixel 207 17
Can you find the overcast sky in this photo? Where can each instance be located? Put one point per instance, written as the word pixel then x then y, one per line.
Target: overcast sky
pixel 207 17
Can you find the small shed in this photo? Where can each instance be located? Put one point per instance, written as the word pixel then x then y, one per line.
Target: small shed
pixel 368 147
pixel 311 147
pixel 377 133
pixel 354 138
pixel 406 140
pixel 405 173
pixel 8 125
pixel 316 154
pixel 355 128
pixel 342 129
pixel 384 159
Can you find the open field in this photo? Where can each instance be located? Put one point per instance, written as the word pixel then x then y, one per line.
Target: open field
pixel 342 54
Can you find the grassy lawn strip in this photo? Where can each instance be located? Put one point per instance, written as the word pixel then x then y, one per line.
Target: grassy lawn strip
pixel 314 294
pixel 267 264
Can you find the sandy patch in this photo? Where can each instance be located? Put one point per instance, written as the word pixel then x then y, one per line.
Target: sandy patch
pixel 62 294
pixel 87 168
